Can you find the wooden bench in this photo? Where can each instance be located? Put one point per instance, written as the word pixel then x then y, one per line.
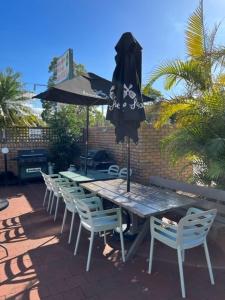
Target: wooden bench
pixel 207 198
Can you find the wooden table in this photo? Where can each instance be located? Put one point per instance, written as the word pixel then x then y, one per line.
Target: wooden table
pixel 144 201
pixel 92 175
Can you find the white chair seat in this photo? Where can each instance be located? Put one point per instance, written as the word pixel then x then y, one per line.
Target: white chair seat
pixel 99 223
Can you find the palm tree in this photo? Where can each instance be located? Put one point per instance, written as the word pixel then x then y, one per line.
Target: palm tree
pixel 13 108
pixel 199 114
pixel 205 64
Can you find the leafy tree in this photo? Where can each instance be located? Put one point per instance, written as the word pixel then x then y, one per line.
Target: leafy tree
pixel 13 108
pixel 199 113
pixel 68 124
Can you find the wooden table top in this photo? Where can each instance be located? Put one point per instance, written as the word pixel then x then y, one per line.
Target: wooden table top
pixel 92 175
pixel 142 200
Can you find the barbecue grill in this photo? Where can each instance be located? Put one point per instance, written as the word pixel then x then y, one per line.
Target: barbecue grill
pixel 31 162
pixel 97 160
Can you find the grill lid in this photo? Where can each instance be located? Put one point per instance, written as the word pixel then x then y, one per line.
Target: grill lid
pixel 31 154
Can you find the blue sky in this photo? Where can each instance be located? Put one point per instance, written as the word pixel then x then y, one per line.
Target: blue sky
pixel 32 32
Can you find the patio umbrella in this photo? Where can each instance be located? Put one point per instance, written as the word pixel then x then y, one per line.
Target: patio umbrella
pixel 126 109
pixel 88 89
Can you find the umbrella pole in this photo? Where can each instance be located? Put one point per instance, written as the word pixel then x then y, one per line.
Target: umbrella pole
pixel 128 164
pixel 86 142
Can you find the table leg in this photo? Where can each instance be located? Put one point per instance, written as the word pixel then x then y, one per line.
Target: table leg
pixel 139 239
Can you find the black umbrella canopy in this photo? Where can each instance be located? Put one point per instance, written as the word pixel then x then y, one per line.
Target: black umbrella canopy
pixel 88 89
pixel 126 109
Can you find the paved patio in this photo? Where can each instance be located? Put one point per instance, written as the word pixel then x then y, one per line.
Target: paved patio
pixel 36 261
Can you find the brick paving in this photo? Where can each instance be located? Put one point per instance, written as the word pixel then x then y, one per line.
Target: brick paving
pixel 36 262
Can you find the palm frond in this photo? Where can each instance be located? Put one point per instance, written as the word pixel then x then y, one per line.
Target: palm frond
pixel 195 36
pixel 168 110
pixel 220 79
pixel 210 38
pixel 178 70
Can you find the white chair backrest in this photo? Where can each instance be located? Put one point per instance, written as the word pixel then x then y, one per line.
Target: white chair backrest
pixel 85 207
pixel 59 182
pixel 195 226
pixel 44 176
pixel 123 173
pixel 113 170
pixel 71 194
pixel 47 180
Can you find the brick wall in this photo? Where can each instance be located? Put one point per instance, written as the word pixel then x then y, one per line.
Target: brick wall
pixel 146 157
pixel 21 138
pixel 13 148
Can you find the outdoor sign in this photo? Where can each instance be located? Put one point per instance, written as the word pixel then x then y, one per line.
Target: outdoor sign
pixel 64 66
pixel 33 170
pixel 35 133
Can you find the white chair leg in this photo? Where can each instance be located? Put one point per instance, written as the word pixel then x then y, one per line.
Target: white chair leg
pixel 179 255
pixel 71 227
pixel 183 255
pixel 105 241
pixel 52 203
pixel 209 263
pixel 151 255
pixel 64 219
pixel 56 208
pixel 46 191
pixel 122 244
pixel 49 200
pixel 90 251
pixel 78 239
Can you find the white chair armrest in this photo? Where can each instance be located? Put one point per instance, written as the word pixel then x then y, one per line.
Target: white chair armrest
pixel 55 176
pixel 94 203
pixel 103 171
pixel 106 211
pixel 193 210
pixel 90 195
pixel 74 190
pixel 157 223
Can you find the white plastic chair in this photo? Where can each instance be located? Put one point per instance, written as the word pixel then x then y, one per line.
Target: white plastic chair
pixel 97 221
pixel 123 173
pixel 190 232
pixel 70 196
pixel 113 170
pixel 48 185
pixel 57 185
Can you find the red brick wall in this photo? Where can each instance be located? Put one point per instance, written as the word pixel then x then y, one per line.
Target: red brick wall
pixel 146 157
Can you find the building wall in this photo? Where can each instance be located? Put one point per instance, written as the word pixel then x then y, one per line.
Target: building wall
pixel 146 156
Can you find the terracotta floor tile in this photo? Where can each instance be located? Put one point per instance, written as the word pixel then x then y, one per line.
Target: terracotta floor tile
pixel 36 262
